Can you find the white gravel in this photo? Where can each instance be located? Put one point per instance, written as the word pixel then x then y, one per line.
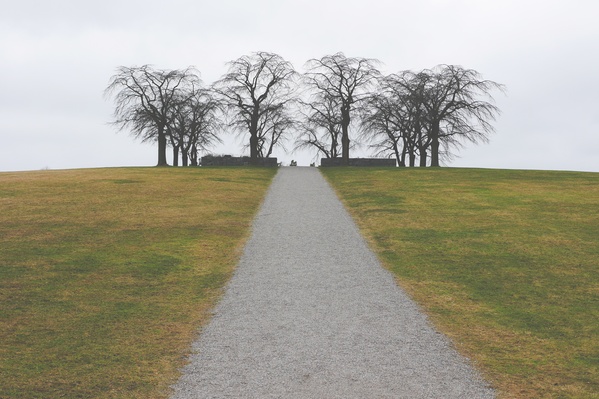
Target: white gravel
pixel 310 313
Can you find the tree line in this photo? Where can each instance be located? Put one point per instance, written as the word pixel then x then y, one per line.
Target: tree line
pixel 419 118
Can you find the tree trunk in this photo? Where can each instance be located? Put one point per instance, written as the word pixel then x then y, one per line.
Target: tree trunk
pixel 398 157
pixel 253 148
pixel 412 159
pixel 254 137
pixel 184 157
pixel 345 140
pixel 435 144
pixel 423 157
pixel 270 148
pixel 345 148
pixel 404 154
pixel 435 153
pixel 175 155
pixel 407 152
pixel 161 147
pixel 333 153
pixel 193 155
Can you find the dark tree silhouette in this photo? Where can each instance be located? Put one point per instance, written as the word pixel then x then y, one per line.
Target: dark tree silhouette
pixel 429 112
pixel 275 128
pixel 346 82
pixel 194 125
pixel 454 108
pixel 320 128
pixel 385 125
pixel 255 93
pixel 144 99
pixel 394 118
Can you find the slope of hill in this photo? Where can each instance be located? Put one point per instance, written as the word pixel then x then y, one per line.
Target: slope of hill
pixel 505 262
pixel 106 274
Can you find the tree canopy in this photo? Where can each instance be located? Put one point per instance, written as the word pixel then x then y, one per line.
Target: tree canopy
pixel 338 85
pixel 418 117
pixel 256 92
pixel 145 98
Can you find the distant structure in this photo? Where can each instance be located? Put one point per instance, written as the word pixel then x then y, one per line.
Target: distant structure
pixel 379 162
pixel 228 160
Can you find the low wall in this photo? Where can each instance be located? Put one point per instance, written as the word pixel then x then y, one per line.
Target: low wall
pixel 390 162
pixel 227 160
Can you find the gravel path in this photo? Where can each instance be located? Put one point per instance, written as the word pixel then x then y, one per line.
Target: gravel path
pixel 310 313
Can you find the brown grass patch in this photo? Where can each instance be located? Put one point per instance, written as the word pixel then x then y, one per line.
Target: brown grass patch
pixel 107 274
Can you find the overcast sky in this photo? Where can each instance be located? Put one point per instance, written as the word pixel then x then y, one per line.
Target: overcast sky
pixel 56 58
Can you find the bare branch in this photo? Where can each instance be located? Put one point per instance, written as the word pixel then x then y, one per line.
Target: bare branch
pixel 144 98
pixel 344 82
pixel 255 94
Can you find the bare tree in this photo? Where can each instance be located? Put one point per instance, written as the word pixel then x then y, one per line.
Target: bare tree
pixel 431 111
pixel 252 91
pixel 408 91
pixel 383 124
pixel 194 125
pixel 395 118
pixel 345 80
pixel 454 108
pixel 144 99
pixel 320 128
pixel 275 128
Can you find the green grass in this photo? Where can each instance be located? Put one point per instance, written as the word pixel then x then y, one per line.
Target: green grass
pixel 505 262
pixel 107 274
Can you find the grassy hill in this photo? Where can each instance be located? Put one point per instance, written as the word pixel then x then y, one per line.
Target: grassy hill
pixel 505 262
pixel 106 274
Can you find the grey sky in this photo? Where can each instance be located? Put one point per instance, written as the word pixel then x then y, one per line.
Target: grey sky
pixel 56 59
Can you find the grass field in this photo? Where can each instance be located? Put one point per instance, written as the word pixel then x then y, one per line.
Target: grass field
pixel 505 262
pixel 106 274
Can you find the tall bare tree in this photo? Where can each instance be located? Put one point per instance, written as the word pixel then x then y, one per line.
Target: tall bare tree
pixel 252 91
pixel 144 98
pixel 395 118
pixel 455 109
pixel 432 111
pixel 194 125
pixel 384 125
pixel 320 128
pixel 275 128
pixel 347 81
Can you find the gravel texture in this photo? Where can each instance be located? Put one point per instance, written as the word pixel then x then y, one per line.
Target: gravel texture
pixel 310 313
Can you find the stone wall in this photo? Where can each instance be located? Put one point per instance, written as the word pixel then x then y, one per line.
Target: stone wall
pixel 228 160
pixel 389 162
